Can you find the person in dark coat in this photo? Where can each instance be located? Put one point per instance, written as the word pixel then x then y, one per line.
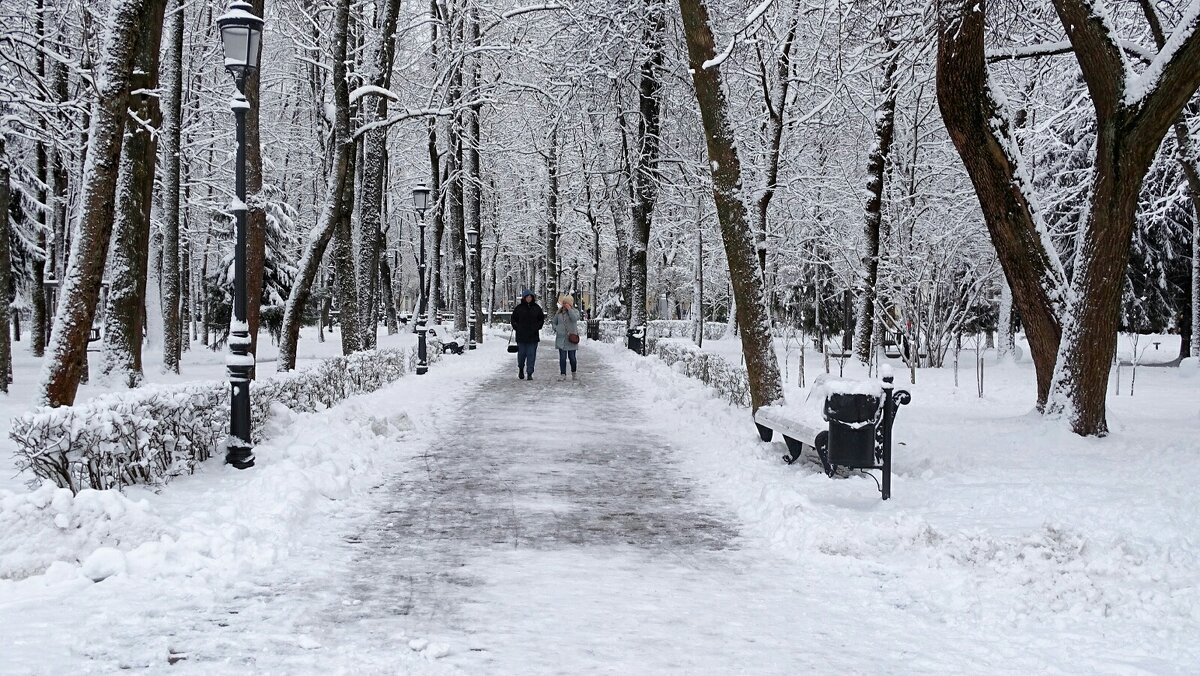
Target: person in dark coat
pixel 527 321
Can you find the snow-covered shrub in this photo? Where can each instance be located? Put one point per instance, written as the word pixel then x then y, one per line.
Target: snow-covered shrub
pixel 148 435
pixel 730 381
pixel 614 331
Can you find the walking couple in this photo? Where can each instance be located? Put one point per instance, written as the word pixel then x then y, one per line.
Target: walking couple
pixel 528 318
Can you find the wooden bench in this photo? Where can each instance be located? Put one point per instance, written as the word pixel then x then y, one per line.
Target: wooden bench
pixel 796 433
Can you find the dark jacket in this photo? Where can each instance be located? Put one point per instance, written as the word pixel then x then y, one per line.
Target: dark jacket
pixel 527 321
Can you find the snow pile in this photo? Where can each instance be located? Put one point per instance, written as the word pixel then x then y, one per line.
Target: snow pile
pixel 1009 521
pixel 50 524
pixel 321 458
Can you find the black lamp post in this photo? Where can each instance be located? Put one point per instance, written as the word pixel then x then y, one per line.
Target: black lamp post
pixel 241 35
pixel 475 286
pixel 420 198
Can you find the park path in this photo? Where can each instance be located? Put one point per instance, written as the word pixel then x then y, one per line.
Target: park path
pixel 551 531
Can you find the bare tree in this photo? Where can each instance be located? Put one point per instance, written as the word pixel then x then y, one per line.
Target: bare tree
pixel 89 251
pixel 753 320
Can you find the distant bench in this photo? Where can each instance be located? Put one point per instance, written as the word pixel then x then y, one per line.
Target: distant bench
pixel 858 434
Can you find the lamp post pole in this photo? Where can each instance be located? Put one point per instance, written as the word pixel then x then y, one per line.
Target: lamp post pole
pixel 422 326
pixel 420 198
pixel 475 288
pixel 239 362
pixel 241 33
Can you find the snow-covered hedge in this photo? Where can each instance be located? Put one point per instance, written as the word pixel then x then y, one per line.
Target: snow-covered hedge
pixel 150 434
pixel 729 380
pixel 612 331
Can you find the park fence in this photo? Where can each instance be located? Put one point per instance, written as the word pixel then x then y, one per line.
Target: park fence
pixel 153 433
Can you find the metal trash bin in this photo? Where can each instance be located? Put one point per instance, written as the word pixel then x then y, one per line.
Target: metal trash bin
pixel 635 339
pixel 593 329
pixel 853 419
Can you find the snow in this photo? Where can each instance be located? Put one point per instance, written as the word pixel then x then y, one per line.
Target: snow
pixel 365 90
pixel 468 522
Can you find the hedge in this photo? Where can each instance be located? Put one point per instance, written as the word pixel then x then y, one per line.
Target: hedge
pixel 153 433
pixel 730 381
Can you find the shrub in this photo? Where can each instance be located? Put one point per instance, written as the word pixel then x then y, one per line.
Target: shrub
pixel 730 381
pixel 151 434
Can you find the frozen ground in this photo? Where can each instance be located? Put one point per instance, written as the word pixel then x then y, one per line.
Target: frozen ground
pixel 468 522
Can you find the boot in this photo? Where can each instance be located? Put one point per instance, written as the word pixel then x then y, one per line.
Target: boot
pixel 521 373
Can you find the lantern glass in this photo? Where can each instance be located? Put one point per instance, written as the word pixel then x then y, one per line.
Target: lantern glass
pixel 420 198
pixel 241 36
pixel 472 238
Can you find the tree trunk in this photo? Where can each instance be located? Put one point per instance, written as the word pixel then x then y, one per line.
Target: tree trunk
pixel 375 162
pixel 1005 323
pixel 877 162
pixel 173 329
pixel 644 178
pixel 125 317
pixel 776 104
pixel 338 196
pixel 454 205
pixel 342 262
pixel 81 287
pixel 5 274
pixel 553 278
pixel 982 134
pixel 753 320
pixel 256 217
pixel 1189 161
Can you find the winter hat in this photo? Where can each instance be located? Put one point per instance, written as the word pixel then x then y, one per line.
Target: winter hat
pixel 528 292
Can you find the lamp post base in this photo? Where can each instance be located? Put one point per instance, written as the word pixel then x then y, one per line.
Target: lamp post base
pixel 241 457
pixel 422 350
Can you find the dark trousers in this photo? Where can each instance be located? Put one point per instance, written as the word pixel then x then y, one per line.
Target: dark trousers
pixel 563 355
pixel 526 356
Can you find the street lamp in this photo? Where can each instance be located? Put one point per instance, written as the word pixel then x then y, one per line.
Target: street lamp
pixel 420 199
pixel 475 286
pixel 241 36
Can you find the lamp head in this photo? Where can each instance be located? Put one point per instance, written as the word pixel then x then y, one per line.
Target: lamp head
pixel 241 36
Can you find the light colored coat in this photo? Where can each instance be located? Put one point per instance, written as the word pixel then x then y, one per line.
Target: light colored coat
pixel 564 323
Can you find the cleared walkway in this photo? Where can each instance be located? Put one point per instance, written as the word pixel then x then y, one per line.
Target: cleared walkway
pixel 549 532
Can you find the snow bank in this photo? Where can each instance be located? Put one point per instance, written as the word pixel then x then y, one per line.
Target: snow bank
pixel 50 524
pixel 1004 521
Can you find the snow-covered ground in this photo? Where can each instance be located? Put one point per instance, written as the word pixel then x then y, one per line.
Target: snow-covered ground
pixel 199 363
pixel 468 522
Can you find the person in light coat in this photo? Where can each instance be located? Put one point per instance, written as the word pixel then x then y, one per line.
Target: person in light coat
pixel 566 324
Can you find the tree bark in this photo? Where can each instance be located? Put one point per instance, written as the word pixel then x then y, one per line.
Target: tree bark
pixel 256 217
pixel 81 287
pixel 981 132
pixel 644 179
pixel 749 291
pixel 125 317
pixel 375 162
pixel 877 163
pixel 5 274
pixel 173 328
pixel 337 201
